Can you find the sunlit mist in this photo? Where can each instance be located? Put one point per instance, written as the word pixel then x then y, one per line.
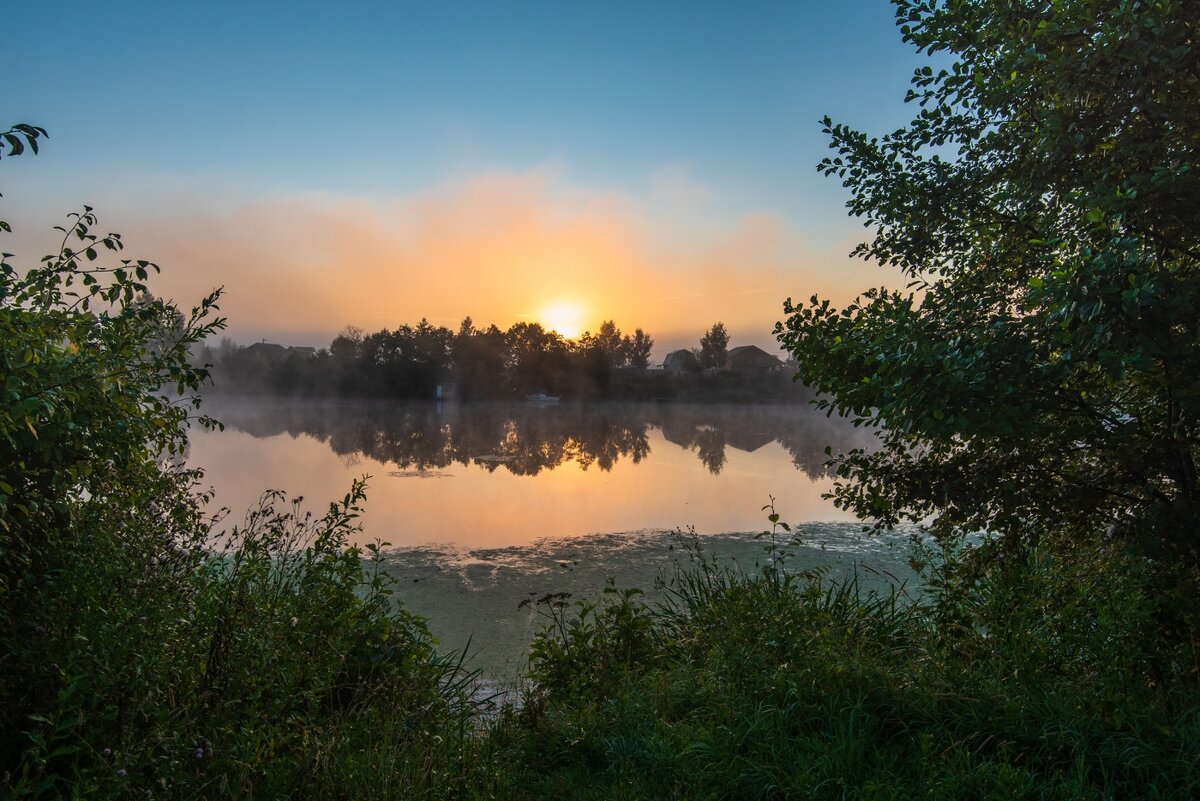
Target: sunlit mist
pixel 502 247
pixel 562 316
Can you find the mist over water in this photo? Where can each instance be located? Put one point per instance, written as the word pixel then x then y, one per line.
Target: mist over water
pixel 488 504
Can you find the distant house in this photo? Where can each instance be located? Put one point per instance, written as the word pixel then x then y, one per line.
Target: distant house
pixel 681 361
pixel 446 390
pixel 751 359
pixel 267 351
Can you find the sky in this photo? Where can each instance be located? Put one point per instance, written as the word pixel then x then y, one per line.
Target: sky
pixel 370 164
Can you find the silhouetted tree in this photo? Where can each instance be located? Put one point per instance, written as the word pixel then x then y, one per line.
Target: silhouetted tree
pixel 347 346
pixel 592 368
pixel 637 349
pixel 479 360
pixel 608 342
pixel 345 354
pixel 537 359
pixel 712 346
pixel 428 357
pixel 409 361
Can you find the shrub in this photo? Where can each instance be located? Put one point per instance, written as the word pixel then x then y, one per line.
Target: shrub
pixel 145 649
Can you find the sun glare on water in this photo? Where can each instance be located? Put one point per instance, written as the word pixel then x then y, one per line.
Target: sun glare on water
pixel 563 316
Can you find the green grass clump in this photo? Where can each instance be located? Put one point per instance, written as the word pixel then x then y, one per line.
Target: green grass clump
pixel 782 686
pixel 277 665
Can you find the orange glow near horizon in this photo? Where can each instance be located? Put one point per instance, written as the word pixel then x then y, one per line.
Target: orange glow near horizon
pixel 501 247
pixel 562 316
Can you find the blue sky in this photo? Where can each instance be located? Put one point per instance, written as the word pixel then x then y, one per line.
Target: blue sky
pixel 687 124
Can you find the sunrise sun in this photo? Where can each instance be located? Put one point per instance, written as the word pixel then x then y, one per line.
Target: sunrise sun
pixel 563 316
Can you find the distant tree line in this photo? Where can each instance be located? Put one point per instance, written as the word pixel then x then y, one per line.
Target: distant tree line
pixel 474 363
pixel 410 361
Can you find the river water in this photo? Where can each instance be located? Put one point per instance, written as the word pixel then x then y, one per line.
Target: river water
pixel 485 505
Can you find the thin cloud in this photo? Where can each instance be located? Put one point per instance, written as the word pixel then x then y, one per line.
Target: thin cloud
pixel 677 187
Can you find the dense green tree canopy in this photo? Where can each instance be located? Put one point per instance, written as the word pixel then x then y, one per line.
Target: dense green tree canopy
pixel 1041 369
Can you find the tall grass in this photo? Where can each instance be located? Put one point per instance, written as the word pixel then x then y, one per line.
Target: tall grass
pixel 777 685
pixel 275 665
pixel 275 662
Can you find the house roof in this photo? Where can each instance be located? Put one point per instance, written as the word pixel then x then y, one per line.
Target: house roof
pixel 680 359
pixel 266 347
pixel 755 350
pixel 751 356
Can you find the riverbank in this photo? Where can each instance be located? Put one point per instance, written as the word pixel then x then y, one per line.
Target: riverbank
pixel 768 686
pixel 288 666
pixel 481 599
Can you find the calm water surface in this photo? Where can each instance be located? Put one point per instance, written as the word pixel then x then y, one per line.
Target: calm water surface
pixel 489 475
pixel 486 505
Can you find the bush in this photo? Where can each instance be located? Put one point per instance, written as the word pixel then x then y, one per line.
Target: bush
pixel 148 651
pixel 265 666
pixel 777 685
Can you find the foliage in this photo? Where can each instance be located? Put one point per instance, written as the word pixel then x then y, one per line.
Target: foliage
pixel 583 645
pixel 95 376
pixel 410 361
pixel 778 685
pixel 637 349
pixel 1042 370
pixel 478 361
pixel 148 652
pixel 536 359
pixel 713 345
pixel 276 662
pixel 609 343
pixel 615 350
pixel 18 138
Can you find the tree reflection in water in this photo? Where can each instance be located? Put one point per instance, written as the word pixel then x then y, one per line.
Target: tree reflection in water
pixel 525 439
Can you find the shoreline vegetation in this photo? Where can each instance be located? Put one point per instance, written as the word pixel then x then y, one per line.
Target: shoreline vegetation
pixel 424 362
pixel 1044 387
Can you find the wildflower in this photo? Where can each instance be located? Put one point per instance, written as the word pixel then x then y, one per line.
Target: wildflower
pixel 199 753
pixel 107 752
pixel 295 621
pixel 121 773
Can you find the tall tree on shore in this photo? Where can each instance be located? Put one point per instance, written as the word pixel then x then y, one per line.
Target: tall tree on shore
pixel 1041 371
pixel 479 358
pixel 608 341
pixel 713 346
pixel 637 349
pixel 537 359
